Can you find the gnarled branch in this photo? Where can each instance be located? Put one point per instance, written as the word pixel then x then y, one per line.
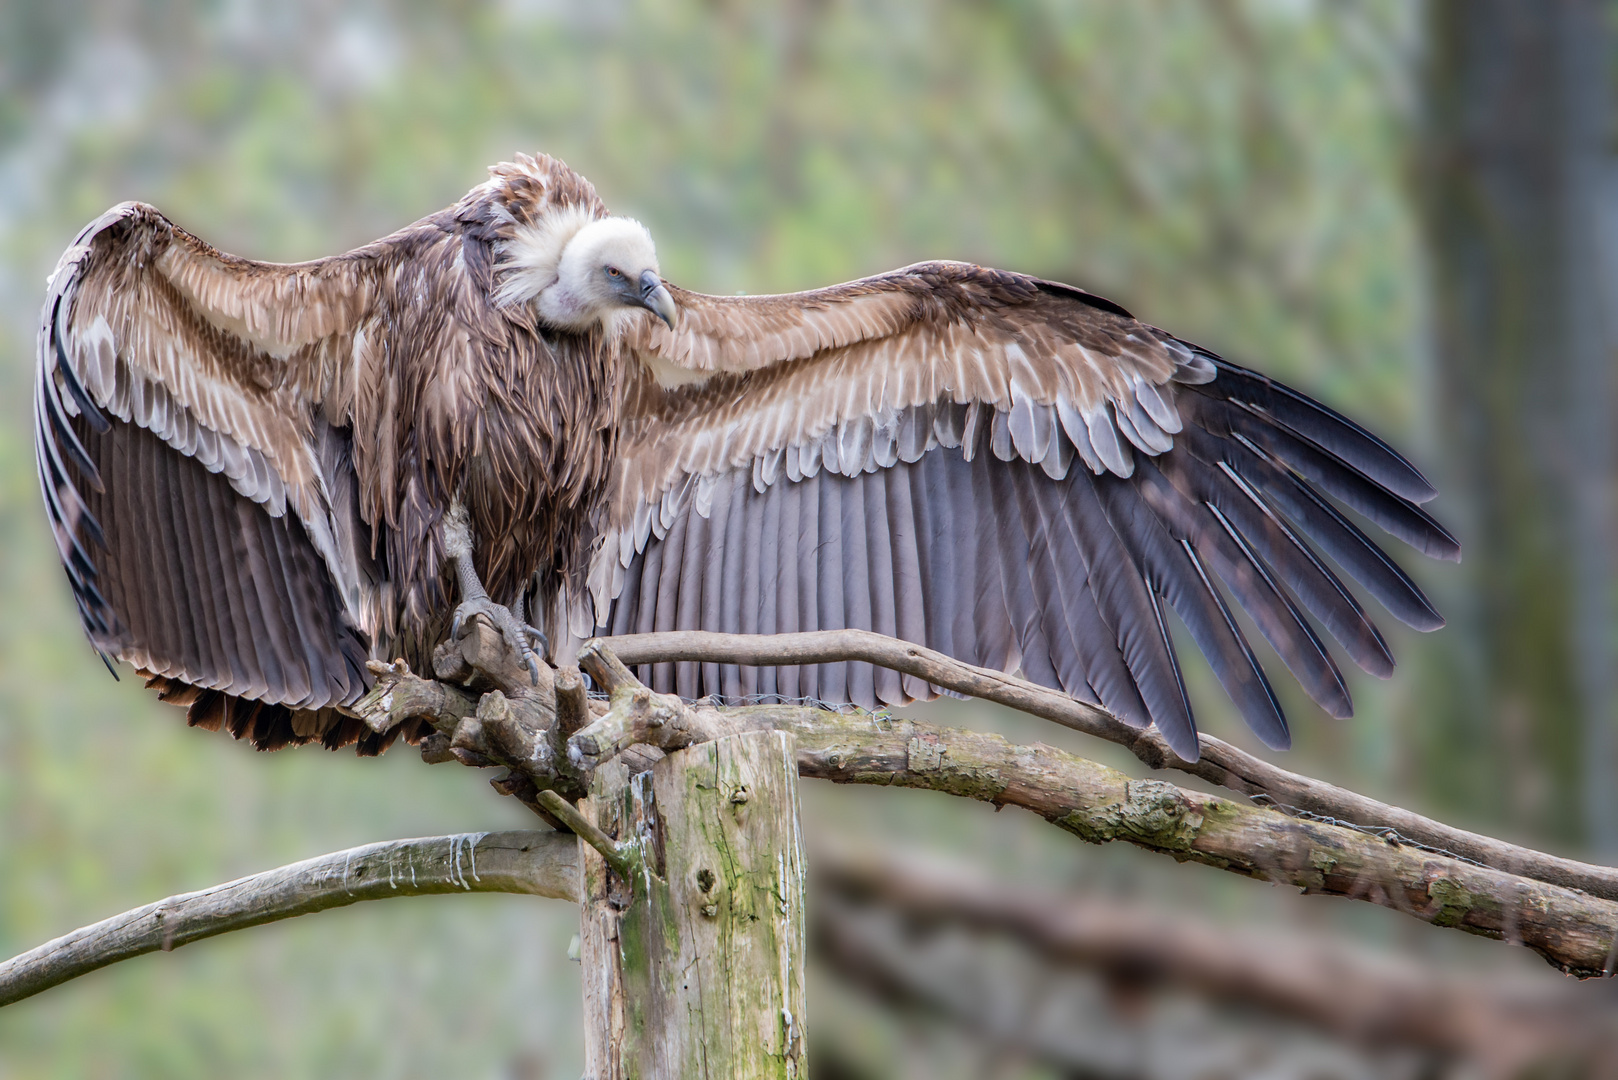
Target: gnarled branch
pixel 553 738
pixel 1358 859
pixel 1220 763
pixel 1574 931
pixel 535 863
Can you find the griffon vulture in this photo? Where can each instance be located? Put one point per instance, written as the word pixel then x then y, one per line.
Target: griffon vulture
pixel 259 476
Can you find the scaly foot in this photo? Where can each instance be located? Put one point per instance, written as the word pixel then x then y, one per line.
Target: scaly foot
pixel 520 638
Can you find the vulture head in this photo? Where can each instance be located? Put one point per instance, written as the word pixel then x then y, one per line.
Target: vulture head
pixel 604 269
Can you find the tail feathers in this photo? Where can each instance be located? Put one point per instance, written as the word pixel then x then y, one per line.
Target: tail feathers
pixel 269 726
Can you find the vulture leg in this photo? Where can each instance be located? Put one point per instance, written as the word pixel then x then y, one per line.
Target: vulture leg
pixel 520 638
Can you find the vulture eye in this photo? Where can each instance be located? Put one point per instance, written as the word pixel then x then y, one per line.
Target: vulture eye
pixel 612 271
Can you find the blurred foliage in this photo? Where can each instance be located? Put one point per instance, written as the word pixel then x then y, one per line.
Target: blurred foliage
pixel 1231 170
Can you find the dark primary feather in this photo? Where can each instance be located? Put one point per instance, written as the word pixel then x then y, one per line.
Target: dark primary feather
pixel 212 592
pixel 1378 462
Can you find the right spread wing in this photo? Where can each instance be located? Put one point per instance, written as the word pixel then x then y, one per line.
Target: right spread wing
pixel 1008 470
pixel 191 413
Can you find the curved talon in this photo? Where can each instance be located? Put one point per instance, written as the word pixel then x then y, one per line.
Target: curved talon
pixel 538 638
pixel 518 636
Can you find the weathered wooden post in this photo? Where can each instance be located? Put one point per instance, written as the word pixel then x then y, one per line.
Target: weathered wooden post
pixel 693 946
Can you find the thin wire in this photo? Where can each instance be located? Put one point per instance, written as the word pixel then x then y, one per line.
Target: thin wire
pixel 1385 832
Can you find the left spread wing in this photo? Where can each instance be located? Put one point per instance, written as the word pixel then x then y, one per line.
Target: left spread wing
pixel 191 428
pixel 1009 470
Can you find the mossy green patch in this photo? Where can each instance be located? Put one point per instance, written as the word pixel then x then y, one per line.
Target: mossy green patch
pixel 1454 901
pixel 1152 814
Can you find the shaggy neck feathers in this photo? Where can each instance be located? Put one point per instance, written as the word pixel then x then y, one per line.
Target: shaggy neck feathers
pixel 559 263
pixel 531 259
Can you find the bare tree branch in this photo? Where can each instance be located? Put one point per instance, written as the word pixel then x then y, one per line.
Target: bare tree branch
pixel 1572 930
pixel 621 861
pixel 552 739
pixel 1575 932
pixel 1221 763
pixel 535 863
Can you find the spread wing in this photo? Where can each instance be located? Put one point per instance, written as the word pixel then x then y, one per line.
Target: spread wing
pixel 192 434
pixel 1008 470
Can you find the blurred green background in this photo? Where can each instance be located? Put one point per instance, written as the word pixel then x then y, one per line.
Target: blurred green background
pixel 1255 176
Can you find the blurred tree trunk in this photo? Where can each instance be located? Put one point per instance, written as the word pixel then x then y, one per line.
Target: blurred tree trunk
pixel 1517 180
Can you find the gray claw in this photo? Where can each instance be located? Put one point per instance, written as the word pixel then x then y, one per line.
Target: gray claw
pixel 538 638
pixel 517 634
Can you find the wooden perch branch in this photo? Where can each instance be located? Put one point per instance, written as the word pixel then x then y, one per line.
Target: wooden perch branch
pixel 1572 930
pixel 552 739
pixel 1220 763
pixel 621 860
pixel 1359 858
pixel 535 863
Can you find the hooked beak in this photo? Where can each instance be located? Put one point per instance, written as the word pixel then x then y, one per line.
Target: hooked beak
pixel 654 297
